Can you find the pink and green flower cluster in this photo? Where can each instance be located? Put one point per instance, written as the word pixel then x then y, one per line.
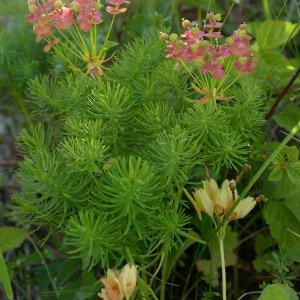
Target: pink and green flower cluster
pixel 55 14
pixel 204 47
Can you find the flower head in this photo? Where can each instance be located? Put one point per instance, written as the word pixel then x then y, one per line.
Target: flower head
pixel 87 17
pixel 128 279
pixel 116 9
pixel 216 202
pixel 63 18
pixel 118 285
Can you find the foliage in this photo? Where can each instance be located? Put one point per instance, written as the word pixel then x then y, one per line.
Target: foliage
pixel 106 169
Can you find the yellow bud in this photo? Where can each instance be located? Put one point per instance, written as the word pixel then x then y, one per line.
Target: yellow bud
pixel 58 4
pixel 243 60
pixel 218 17
pixel 186 24
pixel 164 36
pixel 254 49
pixel 173 37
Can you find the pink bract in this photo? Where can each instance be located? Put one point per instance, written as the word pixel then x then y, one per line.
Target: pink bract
pixel 86 3
pixel 247 68
pixel 115 10
pixel 43 27
pixel 63 18
pixel 87 17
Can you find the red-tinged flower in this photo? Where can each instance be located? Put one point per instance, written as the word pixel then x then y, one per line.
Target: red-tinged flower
pixel 63 18
pixel 246 67
pixel 86 3
pixel 192 37
pixel 214 68
pixel 31 17
pixel 240 46
pixel 43 27
pixel 45 8
pixel 87 17
pixel 219 51
pixel 50 45
pixel 115 10
pixel 117 2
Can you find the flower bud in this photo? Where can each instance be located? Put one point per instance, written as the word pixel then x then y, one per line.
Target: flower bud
pixel 186 24
pixel 243 60
pixel 229 41
pixel 218 17
pixel 98 5
pixel 221 60
pixel 164 36
pixel 75 6
pixel 194 30
pixel 241 33
pixel 254 49
pixel 194 47
pixel 58 4
pixel 173 37
pixel 210 16
pixel 243 26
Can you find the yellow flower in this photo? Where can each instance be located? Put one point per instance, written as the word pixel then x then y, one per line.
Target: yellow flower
pixel 112 287
pixel 128 279
pixel 217 201
pixel 118 285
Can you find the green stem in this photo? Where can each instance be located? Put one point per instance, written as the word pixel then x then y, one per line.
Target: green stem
pixel 224 285
pixel 108 33
pixel 164 273
pixel 4 278
pixel 260 172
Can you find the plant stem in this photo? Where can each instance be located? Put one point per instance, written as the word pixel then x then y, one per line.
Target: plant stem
pixel 164 273
pixel 283 93
pixel 4 278
pixel 108 33
pixel 224 285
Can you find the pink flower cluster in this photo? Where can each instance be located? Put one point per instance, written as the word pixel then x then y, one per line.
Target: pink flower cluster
pixel 53 14
pixel 205 50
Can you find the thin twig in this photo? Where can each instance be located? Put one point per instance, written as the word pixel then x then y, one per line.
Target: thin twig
pixel 249 293
pixel 283 93
pixel 9 163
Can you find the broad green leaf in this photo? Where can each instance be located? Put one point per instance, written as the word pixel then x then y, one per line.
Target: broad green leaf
pixel 286 164
pixel 278 292
pixel 260 263
pixel 288 116
pixel 4 278
pixel 11 237
pixel 293 172
pixel 263 242
pixel 211 266
pixel 272 34
pixel 283 216
pixel 276 174
pixel 281 189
